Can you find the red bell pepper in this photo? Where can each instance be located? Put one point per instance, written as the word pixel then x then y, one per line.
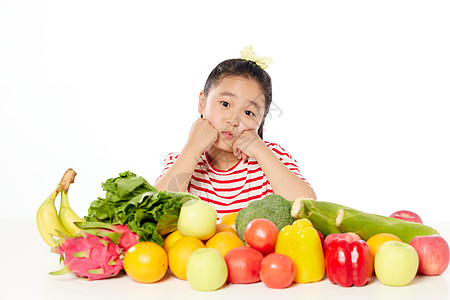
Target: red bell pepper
pixel 349 263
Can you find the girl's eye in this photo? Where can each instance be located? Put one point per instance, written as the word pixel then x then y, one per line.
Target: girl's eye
pixel 225 103
pixel 249 113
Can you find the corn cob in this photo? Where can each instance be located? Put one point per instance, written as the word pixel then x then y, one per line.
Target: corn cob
pixel 329 218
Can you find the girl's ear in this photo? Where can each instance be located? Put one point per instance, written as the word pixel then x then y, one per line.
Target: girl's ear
pixel 201 102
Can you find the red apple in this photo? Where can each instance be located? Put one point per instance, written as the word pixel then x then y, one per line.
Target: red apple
pixel 407 216
pixel 433 254
pixel 348 236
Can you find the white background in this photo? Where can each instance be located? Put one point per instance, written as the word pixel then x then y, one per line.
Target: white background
pixel 360 93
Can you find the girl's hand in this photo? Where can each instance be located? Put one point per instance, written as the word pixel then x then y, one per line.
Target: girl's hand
pixel 248 144
pixel 202 136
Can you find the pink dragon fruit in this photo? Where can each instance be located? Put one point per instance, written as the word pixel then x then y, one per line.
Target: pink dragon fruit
pixel 119 234
pixel 128 238
pixel 90 256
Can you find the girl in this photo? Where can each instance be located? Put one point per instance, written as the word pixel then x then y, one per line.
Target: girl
pixel 225 161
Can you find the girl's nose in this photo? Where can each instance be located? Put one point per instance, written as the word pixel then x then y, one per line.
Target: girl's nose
pixel 233 122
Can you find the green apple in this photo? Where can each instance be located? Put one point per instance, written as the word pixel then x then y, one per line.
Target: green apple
pixel 396 263
pixel 197 219
pixel 206 269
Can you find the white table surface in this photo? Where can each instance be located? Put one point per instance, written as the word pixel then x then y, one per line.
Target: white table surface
pixel 26 262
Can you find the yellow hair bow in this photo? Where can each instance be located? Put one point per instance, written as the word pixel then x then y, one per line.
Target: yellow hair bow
pixel 248 54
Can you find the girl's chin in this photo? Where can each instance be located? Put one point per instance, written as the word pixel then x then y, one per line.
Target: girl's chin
pixel 223 145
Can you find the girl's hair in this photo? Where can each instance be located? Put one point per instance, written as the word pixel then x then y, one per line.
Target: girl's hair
pixel 247 69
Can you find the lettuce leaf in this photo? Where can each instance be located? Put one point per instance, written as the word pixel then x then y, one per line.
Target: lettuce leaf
pixel 132 200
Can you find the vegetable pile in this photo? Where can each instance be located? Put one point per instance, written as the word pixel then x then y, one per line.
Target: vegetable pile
pixel 145 232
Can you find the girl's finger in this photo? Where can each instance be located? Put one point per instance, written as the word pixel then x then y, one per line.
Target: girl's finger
pixel 235 147
pixel 239 152
pixel 235 151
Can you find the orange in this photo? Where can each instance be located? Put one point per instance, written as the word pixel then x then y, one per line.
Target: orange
pixel 224 242
pixel 375 241
pixel 225 228
pixel 228 219
pixel 145 262
pixel 179 254
pixel 171 239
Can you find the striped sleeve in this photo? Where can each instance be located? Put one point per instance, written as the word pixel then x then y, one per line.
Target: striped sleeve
pixel 286 159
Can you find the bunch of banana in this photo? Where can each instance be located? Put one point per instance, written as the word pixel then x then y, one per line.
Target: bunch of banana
pixel 49 222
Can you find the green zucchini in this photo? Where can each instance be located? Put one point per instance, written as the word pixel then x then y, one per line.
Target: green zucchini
pixel 329 218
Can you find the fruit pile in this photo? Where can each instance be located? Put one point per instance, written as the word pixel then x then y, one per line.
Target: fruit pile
pixel 208 253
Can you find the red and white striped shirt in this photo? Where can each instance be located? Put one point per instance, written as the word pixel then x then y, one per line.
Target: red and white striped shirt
pixel 231 190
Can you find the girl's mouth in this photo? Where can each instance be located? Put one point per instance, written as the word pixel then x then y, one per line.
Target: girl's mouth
pixel 227 135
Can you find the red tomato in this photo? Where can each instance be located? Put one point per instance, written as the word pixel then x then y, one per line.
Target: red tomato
pixel 261 234
pixel 243 265
pixel 277 271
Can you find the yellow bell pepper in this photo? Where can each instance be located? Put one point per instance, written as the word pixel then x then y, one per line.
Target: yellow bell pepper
pixel 301 242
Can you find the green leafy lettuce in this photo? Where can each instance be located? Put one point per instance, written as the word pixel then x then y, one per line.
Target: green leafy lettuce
pixel 132 200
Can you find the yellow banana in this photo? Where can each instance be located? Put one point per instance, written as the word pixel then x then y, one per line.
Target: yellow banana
pixel 48 221
pixel 68 216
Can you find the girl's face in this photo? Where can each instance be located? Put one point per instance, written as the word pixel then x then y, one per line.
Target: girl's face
pixel 234 105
